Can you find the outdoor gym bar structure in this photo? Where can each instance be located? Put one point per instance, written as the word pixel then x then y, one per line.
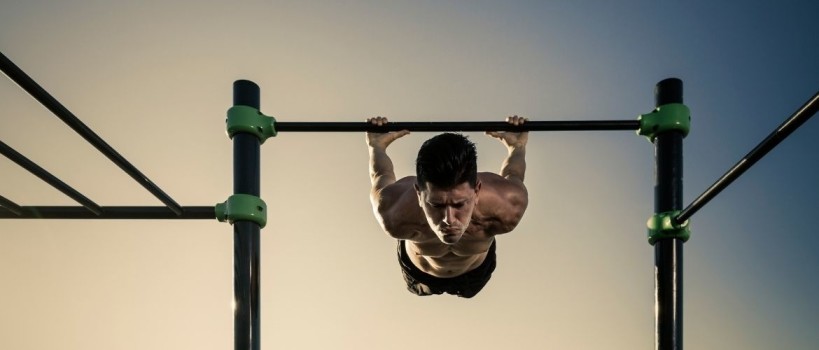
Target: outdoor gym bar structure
pixel 668 228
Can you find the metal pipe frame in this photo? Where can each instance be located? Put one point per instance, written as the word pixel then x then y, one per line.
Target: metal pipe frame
pixel 35 90
pixel 246 152
pixel 246 253
pixel 668 253
pixel 106 213
pixel 52 180
pixel 784 130
pixel 10 206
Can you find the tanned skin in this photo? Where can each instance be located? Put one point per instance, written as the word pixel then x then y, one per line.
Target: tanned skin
pixel 448 231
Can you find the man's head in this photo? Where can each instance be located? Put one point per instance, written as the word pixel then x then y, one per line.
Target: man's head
pixel 447 184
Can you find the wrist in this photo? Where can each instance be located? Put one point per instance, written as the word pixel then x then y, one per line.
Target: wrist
pixel 377 149
pixel 517 148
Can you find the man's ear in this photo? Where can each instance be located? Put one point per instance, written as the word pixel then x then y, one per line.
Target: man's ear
pixel 477 190
pixel 418 193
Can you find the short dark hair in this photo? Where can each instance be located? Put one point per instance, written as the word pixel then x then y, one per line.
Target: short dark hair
pixel 447 160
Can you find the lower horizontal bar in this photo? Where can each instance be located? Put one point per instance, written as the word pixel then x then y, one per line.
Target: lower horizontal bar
pixel 191 213
pixel 11 206
pixel 578 125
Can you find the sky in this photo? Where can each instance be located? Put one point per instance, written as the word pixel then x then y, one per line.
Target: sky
pixel 154 79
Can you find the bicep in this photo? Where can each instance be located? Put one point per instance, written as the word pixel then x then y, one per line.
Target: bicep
pixel 381 182
pixel 393 204
pixel 387 193
pixel 508 200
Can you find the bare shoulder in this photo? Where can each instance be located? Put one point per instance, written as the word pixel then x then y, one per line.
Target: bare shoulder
pixel 503 201
pixel 396 207
pixel 392 193
pixel 498 185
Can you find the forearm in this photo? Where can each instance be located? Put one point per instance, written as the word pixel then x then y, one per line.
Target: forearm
pixel 514 166
pixel 381 168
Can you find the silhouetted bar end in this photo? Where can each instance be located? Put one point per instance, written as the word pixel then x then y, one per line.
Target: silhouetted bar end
pixel 668 91
pixel 246 93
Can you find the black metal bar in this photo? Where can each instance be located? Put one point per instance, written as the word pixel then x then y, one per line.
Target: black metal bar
pixel 52 180
pixel 246 180
pixel 578 125
pixel 11 206
pixel 21 78
pixel 668 253
pixel 125 213
pixel 796 120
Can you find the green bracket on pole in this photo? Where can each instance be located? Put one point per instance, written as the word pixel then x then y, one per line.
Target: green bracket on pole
pixel 242 207
pixel 672 116
pixel 250 120
pixel 663 226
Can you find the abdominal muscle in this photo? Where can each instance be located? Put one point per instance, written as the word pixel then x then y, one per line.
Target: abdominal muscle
pixel 445 261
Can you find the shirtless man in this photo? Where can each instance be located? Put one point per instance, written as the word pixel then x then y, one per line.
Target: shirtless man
pixel 447 216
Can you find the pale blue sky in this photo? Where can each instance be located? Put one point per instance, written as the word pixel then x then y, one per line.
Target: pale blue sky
pixel 153 78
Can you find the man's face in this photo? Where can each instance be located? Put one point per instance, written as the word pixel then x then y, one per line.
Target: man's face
pixel 448 210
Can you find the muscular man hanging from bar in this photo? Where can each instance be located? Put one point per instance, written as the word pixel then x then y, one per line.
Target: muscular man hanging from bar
pixel 447 216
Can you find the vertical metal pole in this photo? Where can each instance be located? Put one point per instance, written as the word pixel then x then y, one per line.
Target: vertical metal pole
pixel 668 253
pixel 246 174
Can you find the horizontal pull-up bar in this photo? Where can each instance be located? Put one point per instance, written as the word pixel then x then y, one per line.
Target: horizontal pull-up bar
pixel 189 213
pixel 21 78
pixel 52 180
pixel 792 123
pixel 580 125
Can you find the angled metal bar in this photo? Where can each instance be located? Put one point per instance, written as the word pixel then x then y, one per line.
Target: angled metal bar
pixel 113 212
pixel 27 83
pixel 10 206
pixel 774 138
pixel 555 125
pixel 52 180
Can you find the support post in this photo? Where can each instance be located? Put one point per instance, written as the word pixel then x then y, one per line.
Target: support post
pixel 668 253
pixel 246 175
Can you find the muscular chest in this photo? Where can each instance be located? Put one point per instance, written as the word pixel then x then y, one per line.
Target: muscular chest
pixel 470 245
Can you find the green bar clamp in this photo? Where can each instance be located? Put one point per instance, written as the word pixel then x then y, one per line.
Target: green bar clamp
pixel 663 226
pixel 242 207
pixel 672 116
pixel 250 120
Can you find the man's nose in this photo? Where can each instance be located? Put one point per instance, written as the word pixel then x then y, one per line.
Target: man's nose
pixel 449 215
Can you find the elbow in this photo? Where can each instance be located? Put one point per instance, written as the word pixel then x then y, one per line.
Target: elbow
pixel 511 223
pixel 388 226
pixel 392 228
pixel 515 215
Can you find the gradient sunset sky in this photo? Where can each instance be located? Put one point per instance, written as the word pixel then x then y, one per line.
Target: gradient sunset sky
pixel 154 79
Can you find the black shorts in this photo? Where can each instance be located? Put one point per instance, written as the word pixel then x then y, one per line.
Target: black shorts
pixel 465 286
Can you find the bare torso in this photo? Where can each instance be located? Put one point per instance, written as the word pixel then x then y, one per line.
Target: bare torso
pixel 429 254
pixel 432 256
